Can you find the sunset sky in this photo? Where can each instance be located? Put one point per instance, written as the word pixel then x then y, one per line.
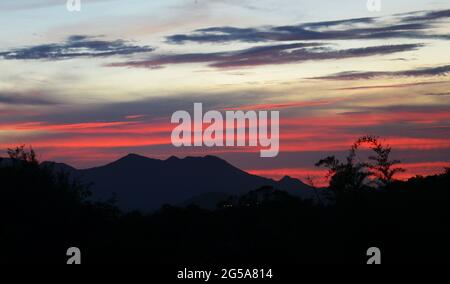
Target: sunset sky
pixel 88 87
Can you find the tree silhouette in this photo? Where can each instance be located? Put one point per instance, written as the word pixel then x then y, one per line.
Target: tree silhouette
pixel 352 175
pixel 380 165
pixel 22 155
pixel 345 177
pixel 43 213
pixel 447 171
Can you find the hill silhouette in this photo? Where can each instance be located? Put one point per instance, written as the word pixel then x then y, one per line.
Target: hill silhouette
pixel 42 214
pixel 141 183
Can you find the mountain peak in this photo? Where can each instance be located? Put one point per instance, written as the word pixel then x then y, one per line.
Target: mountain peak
pixel 215 158
pixel 58 167
pixel 133 160
pixel 143 183
pixel 173 158
pixel 133 156
pixel 287 178
pixel 136 157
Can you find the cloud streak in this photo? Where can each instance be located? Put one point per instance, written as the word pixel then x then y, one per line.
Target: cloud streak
pixel 21 99
pixel 354 75
pixel 395 86
pixel 427 16
pixel 417 26
pixel 76 46
pixel 304 33
pixel 268 55
pixel 438 94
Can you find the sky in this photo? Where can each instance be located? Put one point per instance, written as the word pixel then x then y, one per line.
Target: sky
pixel 89 87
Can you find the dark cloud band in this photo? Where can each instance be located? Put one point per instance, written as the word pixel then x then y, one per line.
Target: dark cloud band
pixel 268 55
pixel 416 26
pixel 422 72
pixel 77 46
pixel 19 99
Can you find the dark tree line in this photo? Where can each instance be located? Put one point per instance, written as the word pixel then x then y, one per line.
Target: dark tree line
pixel 42 213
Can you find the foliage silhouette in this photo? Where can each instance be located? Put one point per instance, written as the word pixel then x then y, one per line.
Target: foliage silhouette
pixel 43 213
pixel 353 175
pixel 19 154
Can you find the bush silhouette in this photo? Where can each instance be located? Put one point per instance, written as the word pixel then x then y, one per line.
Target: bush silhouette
pixel 43 213
pixel 352 176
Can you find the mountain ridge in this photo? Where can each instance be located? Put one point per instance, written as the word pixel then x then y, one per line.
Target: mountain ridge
pixel 143 183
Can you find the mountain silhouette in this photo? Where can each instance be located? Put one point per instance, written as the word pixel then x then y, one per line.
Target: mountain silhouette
pixel 141 183
pixel 59 167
